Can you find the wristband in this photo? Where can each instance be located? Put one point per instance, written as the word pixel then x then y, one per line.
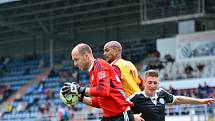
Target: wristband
pixel 81 98
pixel 82 90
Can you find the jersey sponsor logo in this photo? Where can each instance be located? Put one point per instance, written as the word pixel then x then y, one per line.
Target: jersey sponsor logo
pixel 161 100
pixel 101 75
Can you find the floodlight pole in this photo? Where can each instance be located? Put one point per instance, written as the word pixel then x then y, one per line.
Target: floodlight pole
pixel 51 58
pixel 143 10
pixel 203 6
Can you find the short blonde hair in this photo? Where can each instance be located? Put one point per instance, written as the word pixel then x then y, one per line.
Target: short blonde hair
pixel 152 73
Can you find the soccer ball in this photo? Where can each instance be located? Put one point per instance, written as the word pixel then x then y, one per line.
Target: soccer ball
pixel 69 99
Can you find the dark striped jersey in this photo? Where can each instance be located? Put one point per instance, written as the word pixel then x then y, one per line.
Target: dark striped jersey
pixel 152 108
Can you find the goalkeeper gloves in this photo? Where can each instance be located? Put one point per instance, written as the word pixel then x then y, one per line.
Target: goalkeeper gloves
pixel 81 90
pixel 67 96
pixel 75 89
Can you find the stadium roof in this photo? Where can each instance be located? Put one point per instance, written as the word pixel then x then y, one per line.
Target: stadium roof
pixel 6 1
pixel 29 18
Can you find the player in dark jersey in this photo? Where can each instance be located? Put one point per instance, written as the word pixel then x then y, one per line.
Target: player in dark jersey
pixel 105 89
pixel 151 101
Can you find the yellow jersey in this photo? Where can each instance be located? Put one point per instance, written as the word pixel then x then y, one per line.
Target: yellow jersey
pixel 129 76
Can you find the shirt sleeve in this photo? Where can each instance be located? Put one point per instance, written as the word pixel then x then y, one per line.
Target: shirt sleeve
pixel 102 78
pixel 131 98
pixel 117 71
pixel 141 81
pixel 169 98
pixel 95 102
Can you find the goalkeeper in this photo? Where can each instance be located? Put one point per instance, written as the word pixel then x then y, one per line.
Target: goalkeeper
pixel 106 91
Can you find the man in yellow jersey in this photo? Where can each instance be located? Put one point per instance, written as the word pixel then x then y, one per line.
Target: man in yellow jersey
pixel 124 69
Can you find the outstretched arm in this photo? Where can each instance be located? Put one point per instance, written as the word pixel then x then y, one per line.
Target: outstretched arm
pixel 189 100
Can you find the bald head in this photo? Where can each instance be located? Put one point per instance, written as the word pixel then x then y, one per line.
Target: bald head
pixel 82 48
pixel 112 51
pixel 115 45
pixel 82 56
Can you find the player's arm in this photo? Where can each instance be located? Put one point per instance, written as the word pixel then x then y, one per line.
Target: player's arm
pixel 103 84
pixel 141 86
pixel 102 78
pixel 137 77
pixel 71 89
pixel 117 71
pixel 103 87
pixel 90 101
pixel 189 100
pixel 87 101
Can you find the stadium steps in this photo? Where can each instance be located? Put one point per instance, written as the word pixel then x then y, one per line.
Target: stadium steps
pixel 21 92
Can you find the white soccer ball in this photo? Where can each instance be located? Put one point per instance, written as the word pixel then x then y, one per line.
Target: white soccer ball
pixel 71 98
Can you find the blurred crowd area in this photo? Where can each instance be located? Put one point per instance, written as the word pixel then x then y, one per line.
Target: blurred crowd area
pixel 171 70
pixel 29 88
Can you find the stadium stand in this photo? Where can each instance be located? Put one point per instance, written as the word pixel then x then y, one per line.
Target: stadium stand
pixel 39 86
pixel 36 37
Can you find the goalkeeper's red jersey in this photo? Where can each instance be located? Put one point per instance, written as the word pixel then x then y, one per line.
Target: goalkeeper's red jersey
pixel 106 89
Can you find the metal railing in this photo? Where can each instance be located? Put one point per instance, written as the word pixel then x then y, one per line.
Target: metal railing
pixel 171 12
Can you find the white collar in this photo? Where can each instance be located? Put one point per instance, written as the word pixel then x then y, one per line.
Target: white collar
pixel 91 66
pixel 152 98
